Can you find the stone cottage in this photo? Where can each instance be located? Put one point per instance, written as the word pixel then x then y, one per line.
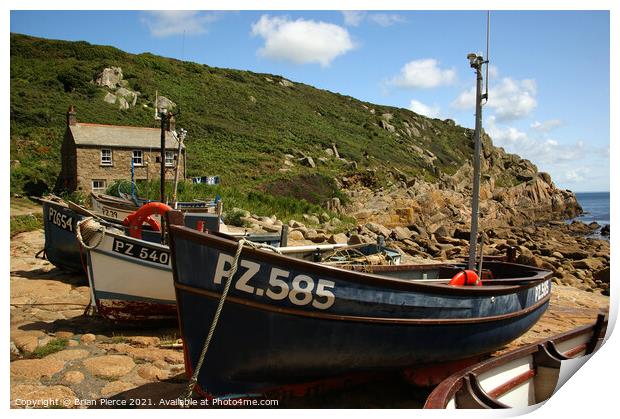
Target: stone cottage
pixel 96 155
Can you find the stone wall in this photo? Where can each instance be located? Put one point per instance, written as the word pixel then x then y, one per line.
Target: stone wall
pixel 89 166
pixel 68 173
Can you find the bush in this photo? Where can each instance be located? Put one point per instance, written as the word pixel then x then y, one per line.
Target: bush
pixel 233 218
pixel 73 79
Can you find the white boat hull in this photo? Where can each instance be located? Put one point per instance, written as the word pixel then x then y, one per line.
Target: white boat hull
pixel 131 278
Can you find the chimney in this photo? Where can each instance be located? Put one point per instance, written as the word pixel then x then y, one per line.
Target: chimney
pixel 171 122
pixel 71 120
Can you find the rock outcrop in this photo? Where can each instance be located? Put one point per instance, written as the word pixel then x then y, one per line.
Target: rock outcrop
pixel 120 94
pixel 513 193
pixel 110 77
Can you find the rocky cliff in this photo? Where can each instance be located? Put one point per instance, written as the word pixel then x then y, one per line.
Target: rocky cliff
pixel 444 206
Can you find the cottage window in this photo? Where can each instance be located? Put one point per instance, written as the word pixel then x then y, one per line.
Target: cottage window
pixel 137 157
pixel 98 185
pixel 170 158
pixel 106 157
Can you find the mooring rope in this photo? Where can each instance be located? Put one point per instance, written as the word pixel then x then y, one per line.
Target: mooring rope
pixel 91 228
pixel 233 270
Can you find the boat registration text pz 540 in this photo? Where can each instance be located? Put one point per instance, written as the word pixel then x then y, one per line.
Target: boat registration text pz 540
pixel 141 252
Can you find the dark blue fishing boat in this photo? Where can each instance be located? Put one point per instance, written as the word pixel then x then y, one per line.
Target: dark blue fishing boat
pixel 288 320
pixel 62 248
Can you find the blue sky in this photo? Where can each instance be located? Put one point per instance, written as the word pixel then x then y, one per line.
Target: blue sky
pixel 549 84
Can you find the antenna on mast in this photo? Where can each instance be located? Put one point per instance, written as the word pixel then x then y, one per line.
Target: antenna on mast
pixel 486 76
pixel 157 117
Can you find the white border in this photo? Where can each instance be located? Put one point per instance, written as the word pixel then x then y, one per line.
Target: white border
pixel 591 392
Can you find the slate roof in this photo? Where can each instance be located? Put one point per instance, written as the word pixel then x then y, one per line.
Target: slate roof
pixel 120 136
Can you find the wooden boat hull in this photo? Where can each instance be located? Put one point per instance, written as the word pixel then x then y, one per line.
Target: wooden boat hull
pixel 131 279
pixel 255 349
pixel 62 248
pixel 520 378
pixel 345 322
pixel 119 209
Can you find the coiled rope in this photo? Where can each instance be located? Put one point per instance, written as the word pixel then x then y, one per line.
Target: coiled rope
pixel 87 229
pixel 233 270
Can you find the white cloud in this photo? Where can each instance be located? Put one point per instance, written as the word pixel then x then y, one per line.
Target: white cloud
pixel 424 73
pixel 353 17
pixel 605 152
pixel 385 19
pixel 356 17
pixel 546 126
pixel 163 23
pixel 466 100
pixel 423 109
pixel 576 175
pixel 577 166
pixel 301 41
pixel 545 151
pixel 511 99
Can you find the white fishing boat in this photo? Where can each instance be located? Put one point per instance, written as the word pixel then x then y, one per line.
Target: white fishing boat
pixel 519 378
pixel 130 278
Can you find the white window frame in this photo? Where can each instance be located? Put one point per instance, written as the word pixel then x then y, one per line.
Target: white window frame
pixel 106 162
pixel 169 156
pixel 134 157
pixel 98 189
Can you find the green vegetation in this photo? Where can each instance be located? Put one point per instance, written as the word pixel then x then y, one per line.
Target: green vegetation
pixel 119 339
pixel 240 124
pixel 54 345
pixel 285 204
pixel 27 222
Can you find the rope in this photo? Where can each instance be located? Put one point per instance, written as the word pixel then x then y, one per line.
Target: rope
pixel 91 228
pixel 41 254
pixel 233 270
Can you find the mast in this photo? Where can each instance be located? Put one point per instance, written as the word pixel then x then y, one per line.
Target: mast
pixel 182 135
pixel 476 61
pixel 162 158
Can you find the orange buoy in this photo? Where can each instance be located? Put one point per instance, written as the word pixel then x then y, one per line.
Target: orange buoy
pixel 142 215
pixel 465 277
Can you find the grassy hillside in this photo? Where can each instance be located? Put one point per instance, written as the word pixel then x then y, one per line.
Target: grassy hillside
pixel 241 124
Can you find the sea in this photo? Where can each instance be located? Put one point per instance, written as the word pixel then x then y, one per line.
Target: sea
pixel 595 207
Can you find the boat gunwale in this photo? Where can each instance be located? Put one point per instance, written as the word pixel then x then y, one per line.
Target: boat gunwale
pixel 362 278
pixel 114 222
pixel 127 205
pixel 347 317
pixel 445 391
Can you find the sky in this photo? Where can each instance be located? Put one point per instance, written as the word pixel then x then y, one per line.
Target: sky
pixel 549 91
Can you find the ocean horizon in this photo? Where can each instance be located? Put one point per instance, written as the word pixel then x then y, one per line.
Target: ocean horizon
pixel 595 207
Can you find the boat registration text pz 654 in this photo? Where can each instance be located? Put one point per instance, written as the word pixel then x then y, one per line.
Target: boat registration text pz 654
pixel 60 220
